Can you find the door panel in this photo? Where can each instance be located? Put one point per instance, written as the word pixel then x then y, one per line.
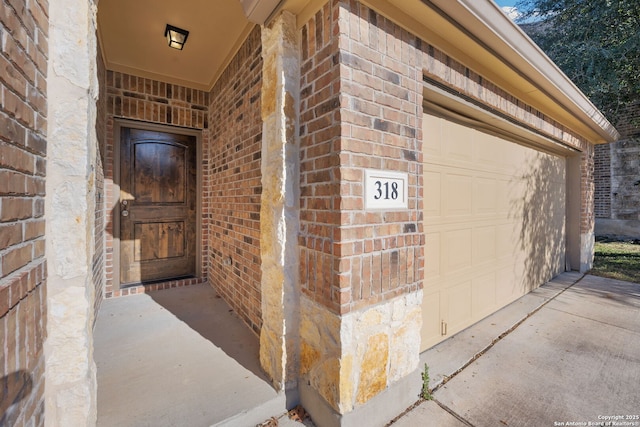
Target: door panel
pixel 157 205
pixel 494 222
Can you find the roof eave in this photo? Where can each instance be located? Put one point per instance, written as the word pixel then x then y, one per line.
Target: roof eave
pixel 487 22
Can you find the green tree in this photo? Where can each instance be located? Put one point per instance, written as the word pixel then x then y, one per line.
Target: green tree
pixel 595 42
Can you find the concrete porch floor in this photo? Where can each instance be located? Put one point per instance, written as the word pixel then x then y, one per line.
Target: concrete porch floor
pixel 179 357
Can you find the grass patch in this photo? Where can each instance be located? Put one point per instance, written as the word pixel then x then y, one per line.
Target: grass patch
pixel 617 260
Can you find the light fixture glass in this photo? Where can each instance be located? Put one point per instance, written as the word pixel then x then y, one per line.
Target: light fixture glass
pixel 176 37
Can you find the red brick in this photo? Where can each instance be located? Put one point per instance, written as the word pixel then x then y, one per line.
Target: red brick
pixel 11 183
pixel 12 132
pixel 5 300
pixel 10 234
pixel 15 208
pixel 16 258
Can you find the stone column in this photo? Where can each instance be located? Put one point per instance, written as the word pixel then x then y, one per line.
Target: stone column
pixel 70 388
pixel 279 218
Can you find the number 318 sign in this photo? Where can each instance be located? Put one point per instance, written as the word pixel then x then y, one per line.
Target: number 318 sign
pixel 385 190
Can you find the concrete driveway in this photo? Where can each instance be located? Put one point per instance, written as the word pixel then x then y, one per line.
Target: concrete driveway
pixel 573 359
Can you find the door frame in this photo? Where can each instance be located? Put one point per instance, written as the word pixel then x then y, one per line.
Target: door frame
pixel 118 124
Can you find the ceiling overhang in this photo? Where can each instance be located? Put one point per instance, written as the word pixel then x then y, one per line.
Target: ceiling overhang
pixel 476 33
pixel 259 11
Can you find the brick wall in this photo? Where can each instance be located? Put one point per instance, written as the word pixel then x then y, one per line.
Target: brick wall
pixel 351 258
pixel 446 71
pixel 624 194
pixel 319 157
pixel 232 186
pixel 98 261
pixel 143 99
pixel 602 178
pixel 230 170
pixel 23 121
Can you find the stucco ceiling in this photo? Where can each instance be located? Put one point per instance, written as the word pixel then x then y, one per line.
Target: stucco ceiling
pixel 131 34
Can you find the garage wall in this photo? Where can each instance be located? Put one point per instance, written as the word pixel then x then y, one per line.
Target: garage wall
pixel 494 224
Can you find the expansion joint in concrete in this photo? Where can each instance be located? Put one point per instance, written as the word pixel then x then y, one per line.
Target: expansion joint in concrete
pixel 453 413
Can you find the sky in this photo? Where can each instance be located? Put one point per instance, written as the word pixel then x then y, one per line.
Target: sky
pixel 509 7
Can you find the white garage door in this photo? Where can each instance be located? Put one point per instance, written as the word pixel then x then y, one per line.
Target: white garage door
pixel 494 221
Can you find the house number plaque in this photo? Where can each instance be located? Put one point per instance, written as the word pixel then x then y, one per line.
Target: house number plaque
pixel 385 190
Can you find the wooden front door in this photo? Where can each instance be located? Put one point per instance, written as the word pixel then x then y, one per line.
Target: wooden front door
pixel 157 205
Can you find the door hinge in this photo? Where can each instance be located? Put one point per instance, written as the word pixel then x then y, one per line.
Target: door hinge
pixel 443 328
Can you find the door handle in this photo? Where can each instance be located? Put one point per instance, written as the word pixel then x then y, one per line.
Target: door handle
pixel 125 213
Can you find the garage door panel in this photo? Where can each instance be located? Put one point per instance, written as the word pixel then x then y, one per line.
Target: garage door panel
pixel 506 245
pixel 431 318
pixel 432 257
pixel 432 143
pixel 456 250
pixel 494 223
pixel 485 196
pixel 432 185
pixel 508 279
pixel 483 295
pixel 483 245
pixel 459 191
pixel 457 143
pixel 502 197
pixel 458 306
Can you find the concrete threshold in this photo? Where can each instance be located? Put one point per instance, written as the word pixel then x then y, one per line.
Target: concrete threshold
pixel 179 357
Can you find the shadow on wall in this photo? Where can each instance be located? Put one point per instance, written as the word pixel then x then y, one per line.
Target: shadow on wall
pixel 15 387
pixel 542 210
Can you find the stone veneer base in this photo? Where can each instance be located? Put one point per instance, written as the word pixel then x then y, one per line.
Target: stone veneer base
pixel 377 412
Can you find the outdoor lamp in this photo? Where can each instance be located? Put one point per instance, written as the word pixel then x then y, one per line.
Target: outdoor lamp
pixel 176 37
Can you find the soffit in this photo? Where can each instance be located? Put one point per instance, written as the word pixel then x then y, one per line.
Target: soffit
pixel 131 34
pixel 476 33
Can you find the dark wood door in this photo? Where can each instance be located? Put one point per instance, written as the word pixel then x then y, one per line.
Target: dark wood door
pixel 157 206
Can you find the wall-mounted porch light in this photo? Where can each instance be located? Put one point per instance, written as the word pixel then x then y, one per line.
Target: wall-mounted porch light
pixel 176 37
